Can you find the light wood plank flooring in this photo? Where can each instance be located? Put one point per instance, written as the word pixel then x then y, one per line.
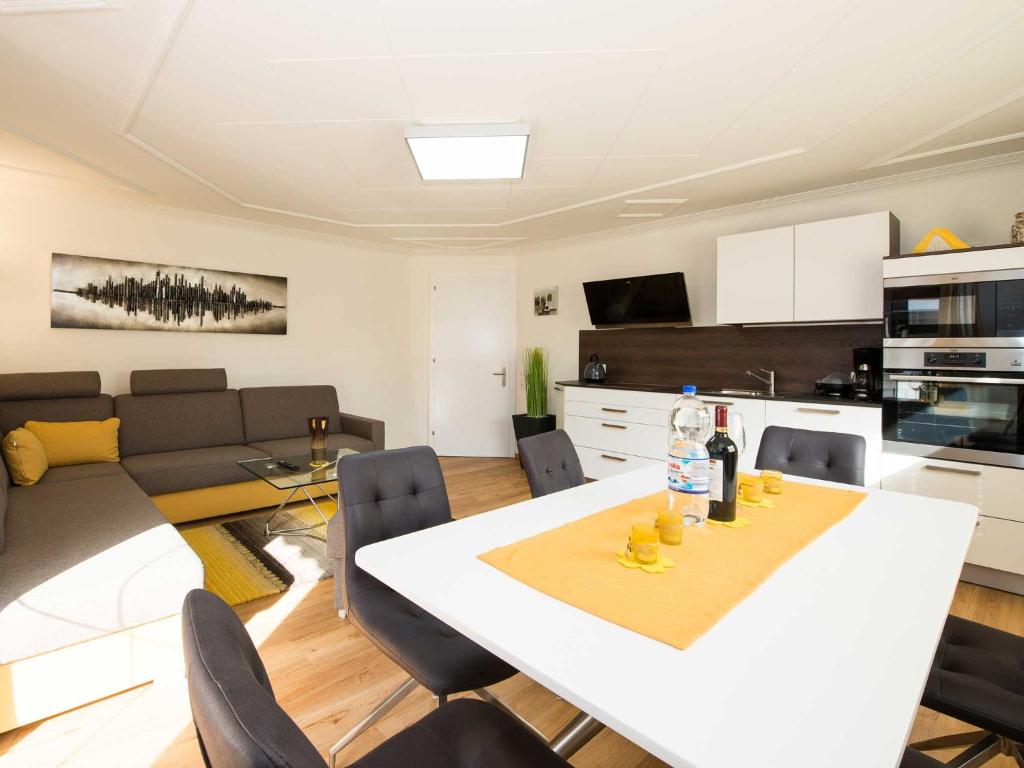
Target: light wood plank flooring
pixel 327 676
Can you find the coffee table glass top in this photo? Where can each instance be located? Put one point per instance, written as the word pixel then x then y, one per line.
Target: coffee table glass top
pixel 284 478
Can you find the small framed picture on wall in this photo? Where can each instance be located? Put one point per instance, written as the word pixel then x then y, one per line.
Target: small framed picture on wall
pixel 545 301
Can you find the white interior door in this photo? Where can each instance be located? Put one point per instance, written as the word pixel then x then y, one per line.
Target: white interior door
pixel 472 364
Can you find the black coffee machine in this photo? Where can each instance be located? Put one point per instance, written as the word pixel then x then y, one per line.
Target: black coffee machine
pixel 867 373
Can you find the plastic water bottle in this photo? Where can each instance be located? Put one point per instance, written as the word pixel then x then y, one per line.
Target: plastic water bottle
pixel 689 424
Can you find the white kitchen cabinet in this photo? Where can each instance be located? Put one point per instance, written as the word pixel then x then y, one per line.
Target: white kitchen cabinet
pixel 837 273
pixel 753 413
pixel 996 491
pixel 860 420
pixel 755 277
pixel 598 464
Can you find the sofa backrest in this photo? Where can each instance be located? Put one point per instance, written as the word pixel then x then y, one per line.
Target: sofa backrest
pixel 5 482
pixel 272 413
pixel 174 410
pixel 68 396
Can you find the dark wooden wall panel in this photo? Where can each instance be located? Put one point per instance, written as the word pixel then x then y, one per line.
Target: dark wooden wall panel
pixel 715 357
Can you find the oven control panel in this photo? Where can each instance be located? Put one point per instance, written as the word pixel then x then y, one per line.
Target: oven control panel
pixel 955 359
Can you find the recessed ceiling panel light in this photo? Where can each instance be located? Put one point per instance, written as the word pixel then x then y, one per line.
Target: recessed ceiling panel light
pixel 467 152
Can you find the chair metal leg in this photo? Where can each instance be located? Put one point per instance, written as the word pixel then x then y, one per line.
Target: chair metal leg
pixel 979 754
pixel 1018 754
pixel 442 699
pixel 950 740
pixel 571 739
pixel 493 700
pixel 382 709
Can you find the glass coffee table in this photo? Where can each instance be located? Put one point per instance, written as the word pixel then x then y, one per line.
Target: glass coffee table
pixel 296 474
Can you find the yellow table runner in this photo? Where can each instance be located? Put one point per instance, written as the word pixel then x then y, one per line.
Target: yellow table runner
pixel 716 567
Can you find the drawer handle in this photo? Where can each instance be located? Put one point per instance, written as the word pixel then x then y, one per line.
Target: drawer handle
pixel 953 470
pixel 614 410
pixel 613 458
pixel 823 411
pixel 613 426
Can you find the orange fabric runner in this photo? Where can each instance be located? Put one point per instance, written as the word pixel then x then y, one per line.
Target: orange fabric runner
pixel 716 567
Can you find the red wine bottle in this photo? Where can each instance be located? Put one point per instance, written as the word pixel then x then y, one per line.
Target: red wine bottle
pixel 724 462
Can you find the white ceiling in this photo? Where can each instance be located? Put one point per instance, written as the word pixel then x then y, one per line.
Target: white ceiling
pixel 293 111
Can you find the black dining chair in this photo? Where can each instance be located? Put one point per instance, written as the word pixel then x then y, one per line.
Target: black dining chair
pixel 239 723
pixel 834 456
pixel 977 677
pixel 551 462
pixel 914 759
pixel 386 494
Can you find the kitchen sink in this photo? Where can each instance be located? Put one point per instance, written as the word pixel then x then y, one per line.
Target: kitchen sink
pixel 741 393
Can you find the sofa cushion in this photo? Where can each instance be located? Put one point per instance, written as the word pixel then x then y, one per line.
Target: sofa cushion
pixel 172 471
pixel 47 386
pixel 24 456
pixel 293 446
pixel 14 413
pixel 272 413
pixel 169 381
pixel 85 558
pixel 77 442
pixel 160 423
pixel 5 483
pixel 82 471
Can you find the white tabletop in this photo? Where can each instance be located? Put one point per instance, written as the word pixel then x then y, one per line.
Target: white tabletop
pixel 823 665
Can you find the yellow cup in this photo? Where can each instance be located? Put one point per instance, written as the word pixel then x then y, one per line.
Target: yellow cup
pixel 670 526
pixel 752 489
pixel 772 479
pixel 646 552
pixel 643 543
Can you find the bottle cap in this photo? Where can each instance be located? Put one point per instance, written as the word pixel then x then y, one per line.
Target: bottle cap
pixel 722 416
pixel 689 389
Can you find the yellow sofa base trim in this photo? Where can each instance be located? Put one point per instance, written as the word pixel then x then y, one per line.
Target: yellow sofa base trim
pixel 218 500
pixel 45 685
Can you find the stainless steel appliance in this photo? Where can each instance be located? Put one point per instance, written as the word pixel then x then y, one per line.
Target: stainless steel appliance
pixel 867 372
pixel 962 310
pixel 595 371
pixel 962 403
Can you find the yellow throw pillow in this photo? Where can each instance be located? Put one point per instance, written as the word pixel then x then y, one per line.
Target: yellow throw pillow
pixel 77 442
pixel 25 457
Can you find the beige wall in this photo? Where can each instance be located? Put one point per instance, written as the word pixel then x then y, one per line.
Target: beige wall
pixel 977 205
pixel 348 320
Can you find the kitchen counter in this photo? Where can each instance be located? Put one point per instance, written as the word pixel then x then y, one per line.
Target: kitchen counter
pixel 797 397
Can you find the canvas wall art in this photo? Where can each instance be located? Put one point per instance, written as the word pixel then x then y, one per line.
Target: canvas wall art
pixel 545 301
pixel 111 294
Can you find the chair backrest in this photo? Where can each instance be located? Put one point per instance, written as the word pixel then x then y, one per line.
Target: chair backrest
pixel 834 456
pixel 237 718
pixel 551 462
pixel 384 494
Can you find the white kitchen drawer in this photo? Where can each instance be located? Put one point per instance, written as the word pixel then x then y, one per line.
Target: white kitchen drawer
pixel 622 437
pixel 998 544
pixel 598 464
pixel 615 412
pixel 753 413
pixel 627 397
pixel 826 417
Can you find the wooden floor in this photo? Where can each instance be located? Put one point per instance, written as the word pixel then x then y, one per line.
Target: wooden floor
pixel 328 677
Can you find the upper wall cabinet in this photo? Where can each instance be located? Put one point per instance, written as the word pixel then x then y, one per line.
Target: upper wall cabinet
pixel 833 269
pixel 755 277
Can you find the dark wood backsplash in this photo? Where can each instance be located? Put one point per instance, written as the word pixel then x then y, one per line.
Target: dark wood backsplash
pixel 715 357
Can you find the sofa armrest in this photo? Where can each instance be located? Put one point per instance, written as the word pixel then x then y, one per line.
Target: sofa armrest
pixel 360 426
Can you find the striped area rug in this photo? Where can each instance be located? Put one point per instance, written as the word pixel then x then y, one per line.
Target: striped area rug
pixel 242 564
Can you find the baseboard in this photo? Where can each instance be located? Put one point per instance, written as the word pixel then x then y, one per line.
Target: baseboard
pixel 990 577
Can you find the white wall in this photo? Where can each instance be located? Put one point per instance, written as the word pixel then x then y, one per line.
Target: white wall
pixel 977 205
pixel 348 318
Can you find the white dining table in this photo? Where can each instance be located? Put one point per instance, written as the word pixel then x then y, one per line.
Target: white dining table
pixel 823 665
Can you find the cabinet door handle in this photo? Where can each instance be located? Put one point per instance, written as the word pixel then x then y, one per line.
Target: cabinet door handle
pixel 613 458
pixel 822 411
pixel 953 470
pixel 613 426
pixel 614 410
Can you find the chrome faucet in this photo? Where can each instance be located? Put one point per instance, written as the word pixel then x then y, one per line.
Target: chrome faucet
pixel 769 380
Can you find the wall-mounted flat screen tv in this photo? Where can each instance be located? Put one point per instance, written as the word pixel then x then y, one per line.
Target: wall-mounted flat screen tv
pixel 644 300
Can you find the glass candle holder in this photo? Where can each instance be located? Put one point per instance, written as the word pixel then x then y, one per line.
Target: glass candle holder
pixel 318 441
pixel 772 479
pixel 670 526
pixel 752 489
pixel 643 543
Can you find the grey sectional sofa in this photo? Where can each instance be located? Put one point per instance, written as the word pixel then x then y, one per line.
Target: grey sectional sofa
pixel 92 572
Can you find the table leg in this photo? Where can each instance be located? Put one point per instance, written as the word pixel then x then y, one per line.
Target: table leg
pixel 302 530
pixel 571 739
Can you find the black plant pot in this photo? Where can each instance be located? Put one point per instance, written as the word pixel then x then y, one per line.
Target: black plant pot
pixel 527 426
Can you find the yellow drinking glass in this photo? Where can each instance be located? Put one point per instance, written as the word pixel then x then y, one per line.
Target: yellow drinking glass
pixel 670 526
pixel 752 489
pixel 643 543
pixel 772 479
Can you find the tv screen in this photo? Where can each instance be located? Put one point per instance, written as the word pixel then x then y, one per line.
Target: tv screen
pixel 638 300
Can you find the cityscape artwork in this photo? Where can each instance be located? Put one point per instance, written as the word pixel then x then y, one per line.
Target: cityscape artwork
pixel 111 294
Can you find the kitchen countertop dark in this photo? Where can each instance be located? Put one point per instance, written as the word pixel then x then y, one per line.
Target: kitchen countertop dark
pixel 797 397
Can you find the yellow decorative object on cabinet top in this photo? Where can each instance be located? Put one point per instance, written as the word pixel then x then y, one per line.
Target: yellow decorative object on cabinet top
pixel 939 239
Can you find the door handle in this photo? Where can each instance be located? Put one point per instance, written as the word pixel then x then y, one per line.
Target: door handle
pixel 954 470
pixel 823 411
pixel 503 373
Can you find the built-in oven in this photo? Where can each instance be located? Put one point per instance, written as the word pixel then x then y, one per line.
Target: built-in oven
pixel 963 404
pixel 967 309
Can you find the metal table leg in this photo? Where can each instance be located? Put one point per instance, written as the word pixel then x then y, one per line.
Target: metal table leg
pixel 571 739
pixel 302 530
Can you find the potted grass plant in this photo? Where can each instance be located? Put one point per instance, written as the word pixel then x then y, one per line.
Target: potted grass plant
pixel 535 377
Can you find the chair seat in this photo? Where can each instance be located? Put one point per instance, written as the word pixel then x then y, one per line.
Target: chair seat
pixel 464 733
pixel 978 677
pixel 435 655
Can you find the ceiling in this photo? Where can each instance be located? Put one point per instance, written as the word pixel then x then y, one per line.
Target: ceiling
pixel 292 112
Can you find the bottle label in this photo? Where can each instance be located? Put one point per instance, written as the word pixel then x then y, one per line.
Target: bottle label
pixel 688 475
pixel 715 472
